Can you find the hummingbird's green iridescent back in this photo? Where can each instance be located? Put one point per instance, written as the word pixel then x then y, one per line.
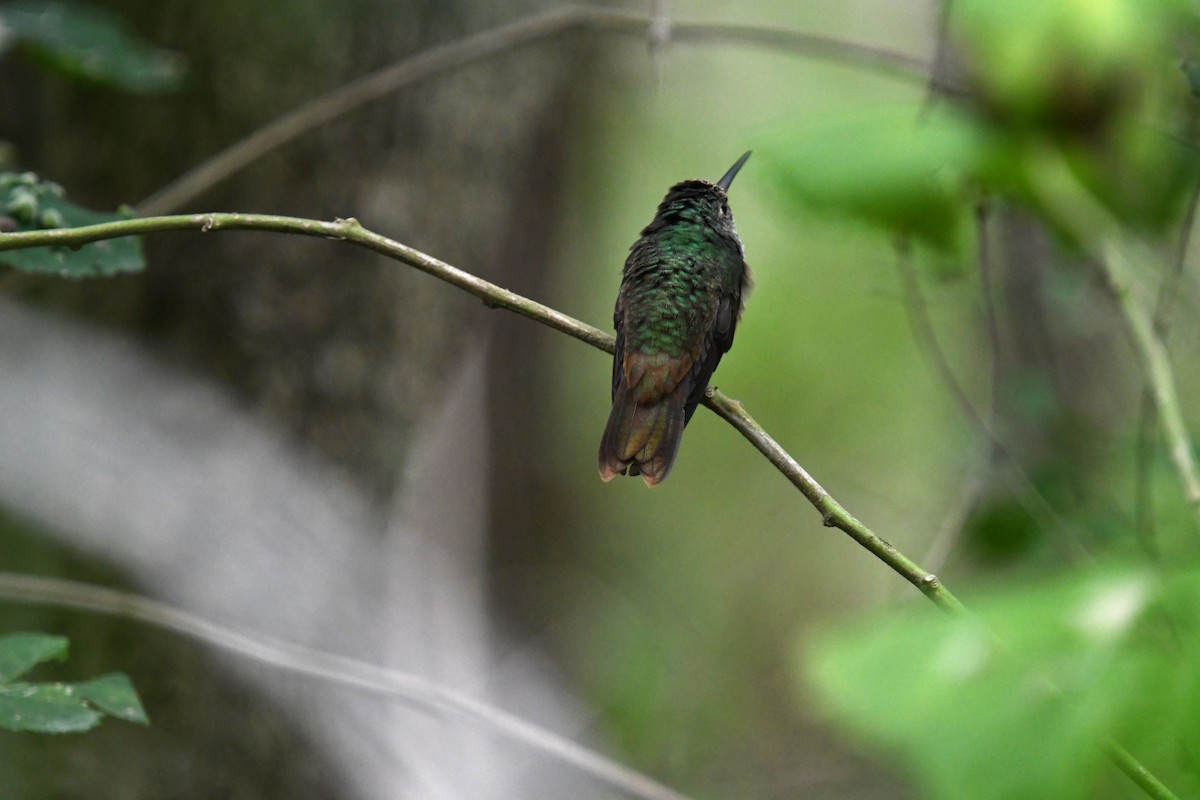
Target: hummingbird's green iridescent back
pixel 679 303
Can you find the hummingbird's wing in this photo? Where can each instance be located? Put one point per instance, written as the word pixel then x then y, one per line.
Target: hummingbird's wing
pixel 619 351
pixel 716 343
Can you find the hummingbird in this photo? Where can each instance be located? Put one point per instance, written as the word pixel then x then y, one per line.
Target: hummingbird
pixel 677 309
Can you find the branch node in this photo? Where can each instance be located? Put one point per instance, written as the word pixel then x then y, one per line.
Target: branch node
pixel 345 226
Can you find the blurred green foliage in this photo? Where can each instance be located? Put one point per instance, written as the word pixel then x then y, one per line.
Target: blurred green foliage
pixel 1087 81
pixel 58 707
pixel 89 44
pixel 1071 66
pixel 1022 697
pixel 890 165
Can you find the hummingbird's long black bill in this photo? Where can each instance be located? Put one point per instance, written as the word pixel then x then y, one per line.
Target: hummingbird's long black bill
pixel 728 177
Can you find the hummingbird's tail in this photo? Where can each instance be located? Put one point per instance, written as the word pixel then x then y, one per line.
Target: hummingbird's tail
pixel 642 439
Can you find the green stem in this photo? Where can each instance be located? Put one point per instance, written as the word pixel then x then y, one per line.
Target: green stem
pixel 348 230
pixel 833 514
pixel 1144 778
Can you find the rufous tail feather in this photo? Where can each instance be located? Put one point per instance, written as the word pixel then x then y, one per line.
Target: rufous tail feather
pixel 641 439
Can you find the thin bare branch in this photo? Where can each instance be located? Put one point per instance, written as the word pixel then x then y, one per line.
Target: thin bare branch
pixel 1168 290
pixel 1075 209
pixel 1144 448
pixel 341 230
pixel 954 521
pixel 833 515
pixel 402 687
pixel 990 317
pixel 513 36
pixel 1151 353
pixel 926 337
pixel 1143 501
pixel 976 480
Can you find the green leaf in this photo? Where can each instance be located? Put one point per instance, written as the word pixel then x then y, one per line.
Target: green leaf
pixel 1092 81
pixel 1062 65
pixel 1021 698
pixel 45 708
pixel 21 652
pixel 29 204
pixel 114 694
pixel 89 44
pixel 894 167
pixel 58 707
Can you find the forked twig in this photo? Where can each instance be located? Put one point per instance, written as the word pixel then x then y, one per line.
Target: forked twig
pixel 526 31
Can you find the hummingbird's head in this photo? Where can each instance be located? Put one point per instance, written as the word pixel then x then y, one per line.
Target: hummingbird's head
pixel 700 202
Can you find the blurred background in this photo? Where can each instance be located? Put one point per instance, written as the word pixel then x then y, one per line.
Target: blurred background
pixel 301 440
